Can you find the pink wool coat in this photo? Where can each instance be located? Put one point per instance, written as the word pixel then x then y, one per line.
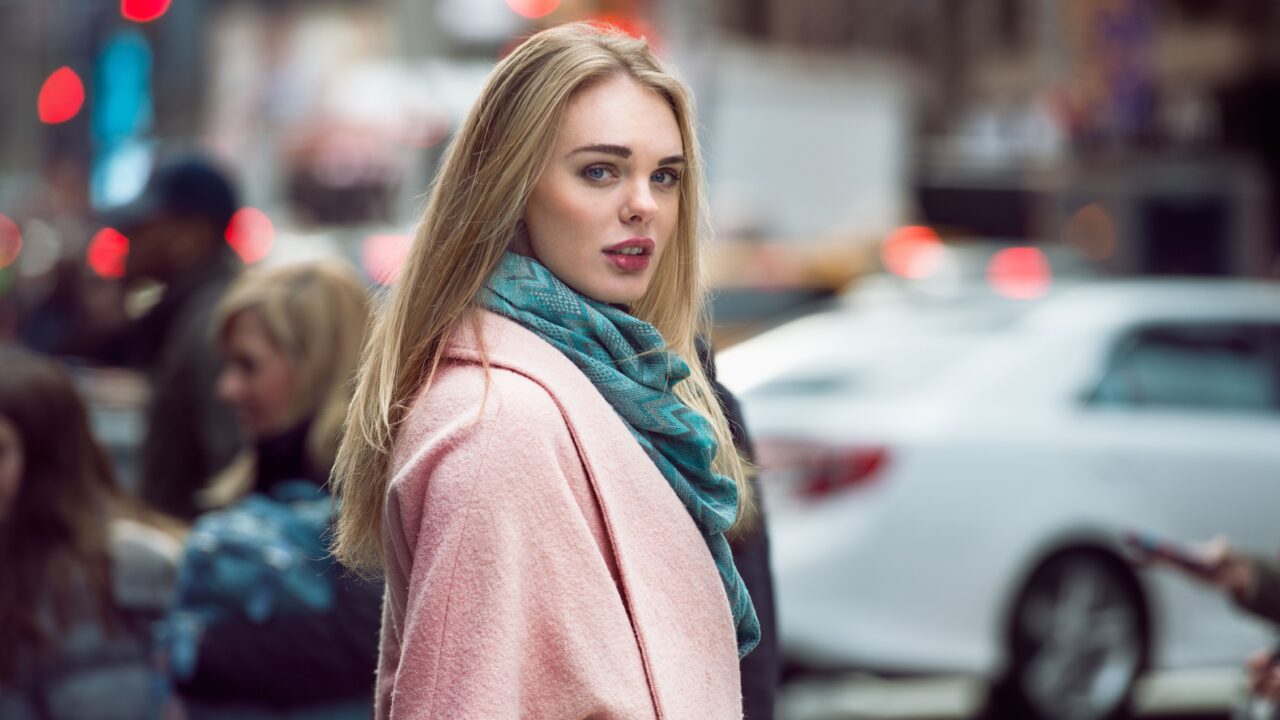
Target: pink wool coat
pixel 538 564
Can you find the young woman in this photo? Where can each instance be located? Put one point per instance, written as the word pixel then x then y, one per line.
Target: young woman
pixel 533 454
pixel 85 570
pixel 290 338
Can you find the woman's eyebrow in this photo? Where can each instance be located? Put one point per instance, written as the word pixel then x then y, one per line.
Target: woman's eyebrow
pixel 623 151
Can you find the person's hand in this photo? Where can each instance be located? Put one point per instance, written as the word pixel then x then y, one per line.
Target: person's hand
pixel 1256 669
pixel 1212 562
pixel 1225 568
pixel 1263 675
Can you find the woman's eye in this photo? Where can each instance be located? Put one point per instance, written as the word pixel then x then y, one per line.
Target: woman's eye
pixel 596 172
pixel 666 178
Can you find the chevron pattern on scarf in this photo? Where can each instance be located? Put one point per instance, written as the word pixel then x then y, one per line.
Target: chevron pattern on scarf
pixel 627 361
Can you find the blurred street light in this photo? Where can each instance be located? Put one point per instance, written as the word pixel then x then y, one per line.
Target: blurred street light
pixel 250 234
pixel 143 11
pixel 912 252
pixel 61 96
pixel 107 253
pixel 533 8
pixel 633 25
pixel 121 117
pixel 10 241
pixel 1020 273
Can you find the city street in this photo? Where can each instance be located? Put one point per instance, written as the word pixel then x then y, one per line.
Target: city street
pixel 1181 695
pixel 938 341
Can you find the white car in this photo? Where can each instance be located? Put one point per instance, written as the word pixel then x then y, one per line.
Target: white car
pixel 945 497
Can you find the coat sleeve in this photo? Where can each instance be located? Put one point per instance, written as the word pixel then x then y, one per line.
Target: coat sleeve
pixel 510 608
pixel 1264 598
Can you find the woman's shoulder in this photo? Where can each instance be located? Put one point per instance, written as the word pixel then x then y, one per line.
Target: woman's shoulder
pixel 483 400
pixel 497 389
pixel 476 431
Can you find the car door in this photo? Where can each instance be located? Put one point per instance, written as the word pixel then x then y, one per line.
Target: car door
pixel 1190 413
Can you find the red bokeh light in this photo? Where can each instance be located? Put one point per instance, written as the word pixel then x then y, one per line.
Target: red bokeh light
pixel 143 10
pixel 61 96
pixel 383 257
pixel 1020 273
pixel 533 9
pixel 913 252
pixel 251 234
pixel 10 241
pixel 107 253
pixel 633 26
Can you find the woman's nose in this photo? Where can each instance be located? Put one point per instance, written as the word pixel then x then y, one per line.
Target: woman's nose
pixel 640 206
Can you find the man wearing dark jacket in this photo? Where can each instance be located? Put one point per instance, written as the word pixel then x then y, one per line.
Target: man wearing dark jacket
pixel 176 230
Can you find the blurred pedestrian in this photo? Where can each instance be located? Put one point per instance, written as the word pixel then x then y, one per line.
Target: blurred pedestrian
pixel 176 230
pixel 85 569
pixel 290 339
pixel 534 454
pixel 1251 582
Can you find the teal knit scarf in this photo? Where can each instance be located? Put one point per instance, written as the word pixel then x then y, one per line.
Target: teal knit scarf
pixel 627 361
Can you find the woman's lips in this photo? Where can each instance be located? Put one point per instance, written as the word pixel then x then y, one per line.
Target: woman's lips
pixel 625 256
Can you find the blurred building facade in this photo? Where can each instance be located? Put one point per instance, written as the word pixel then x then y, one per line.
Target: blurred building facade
pixel 1140 130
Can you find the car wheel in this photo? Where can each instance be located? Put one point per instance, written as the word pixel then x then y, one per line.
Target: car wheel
pixel 1078 641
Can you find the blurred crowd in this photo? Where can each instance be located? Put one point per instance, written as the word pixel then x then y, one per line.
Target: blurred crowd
pixel 209 591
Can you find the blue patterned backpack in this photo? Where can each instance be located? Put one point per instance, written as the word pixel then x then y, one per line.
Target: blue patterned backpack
pixel 264 555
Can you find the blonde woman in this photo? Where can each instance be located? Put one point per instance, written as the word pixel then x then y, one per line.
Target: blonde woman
pixel 533 455
pixel 290 338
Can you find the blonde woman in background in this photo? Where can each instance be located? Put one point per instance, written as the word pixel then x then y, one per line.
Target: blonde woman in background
pixel 534 456
pixel 290 338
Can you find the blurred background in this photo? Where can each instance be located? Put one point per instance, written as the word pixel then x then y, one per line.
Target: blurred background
pixel 994 280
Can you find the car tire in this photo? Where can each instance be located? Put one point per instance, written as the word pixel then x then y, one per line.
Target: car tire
pixel 1078 641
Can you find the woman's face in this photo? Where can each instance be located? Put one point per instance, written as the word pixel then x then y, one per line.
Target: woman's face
pixel 604 209
pixel 10 464
pixel 256 378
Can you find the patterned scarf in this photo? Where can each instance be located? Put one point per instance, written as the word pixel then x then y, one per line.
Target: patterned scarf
pixel 627 361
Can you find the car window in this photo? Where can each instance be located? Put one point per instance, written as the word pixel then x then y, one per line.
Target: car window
pixel 1215 367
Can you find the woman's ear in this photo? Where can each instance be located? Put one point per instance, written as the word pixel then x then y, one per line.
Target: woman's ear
pixel 520 243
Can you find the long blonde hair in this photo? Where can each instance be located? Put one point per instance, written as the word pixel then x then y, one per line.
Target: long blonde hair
pixel 317 314
pixel 478 197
